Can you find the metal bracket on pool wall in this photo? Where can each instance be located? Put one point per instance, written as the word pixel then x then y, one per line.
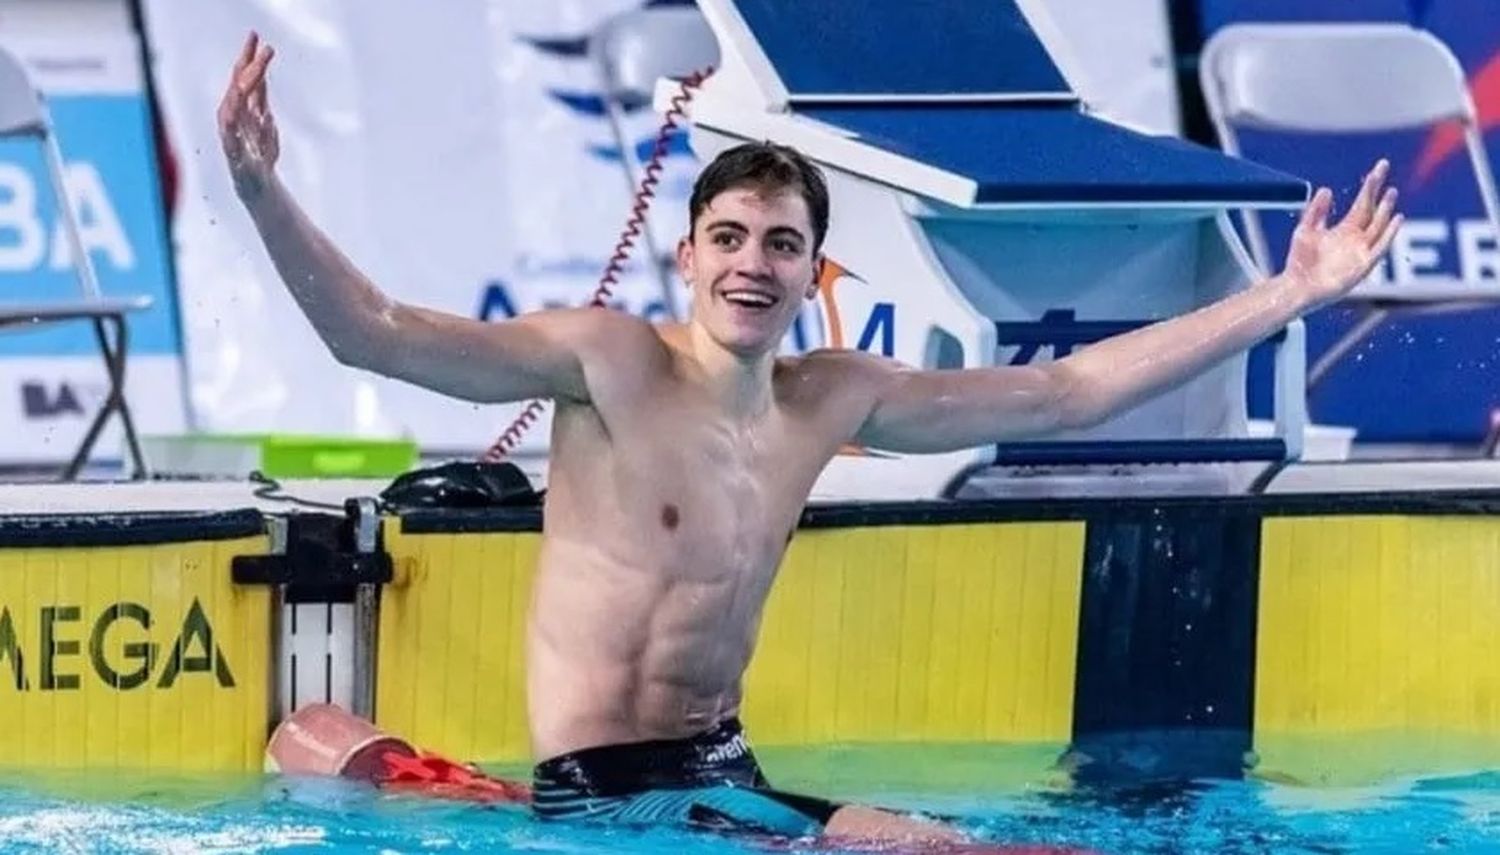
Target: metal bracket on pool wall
pixel 326 575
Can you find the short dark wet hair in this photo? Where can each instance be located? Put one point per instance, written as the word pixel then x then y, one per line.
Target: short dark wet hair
pixel 764 166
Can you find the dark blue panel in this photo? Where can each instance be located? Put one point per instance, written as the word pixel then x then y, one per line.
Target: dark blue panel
pixel 901 47
pixel 1219 13
pixel 1058 155
pixel 1155 451
pixel 1165 684
pixel 1066 332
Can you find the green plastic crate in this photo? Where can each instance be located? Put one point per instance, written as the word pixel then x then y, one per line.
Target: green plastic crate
pixel 278 456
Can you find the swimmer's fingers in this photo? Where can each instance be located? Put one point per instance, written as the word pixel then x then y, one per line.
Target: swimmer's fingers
pixel 246 128
pixel 247 53
pixel 231 98
pixel 1389 234
pixel 247 82
pixel 232 105
pixel 1315 215
pixel 1382 217
pixel 1363 209
pixel 250 69
pixel 255 81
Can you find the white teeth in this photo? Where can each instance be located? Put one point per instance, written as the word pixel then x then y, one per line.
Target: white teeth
pixel 749 298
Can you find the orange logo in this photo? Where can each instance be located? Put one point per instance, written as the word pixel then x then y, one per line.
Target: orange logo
pixel 831 273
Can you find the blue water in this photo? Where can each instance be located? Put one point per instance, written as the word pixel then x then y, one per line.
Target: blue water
pixel 1006 795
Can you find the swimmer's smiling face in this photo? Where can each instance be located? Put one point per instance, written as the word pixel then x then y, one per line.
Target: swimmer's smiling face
pixel 750 262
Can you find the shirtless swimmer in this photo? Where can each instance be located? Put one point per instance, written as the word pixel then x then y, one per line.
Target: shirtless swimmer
pixel 681 456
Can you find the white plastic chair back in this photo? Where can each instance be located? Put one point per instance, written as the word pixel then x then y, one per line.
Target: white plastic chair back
pixel 1333 77
pixel 1342 78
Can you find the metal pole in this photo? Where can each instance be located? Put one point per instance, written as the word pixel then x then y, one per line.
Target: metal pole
pixel 366 623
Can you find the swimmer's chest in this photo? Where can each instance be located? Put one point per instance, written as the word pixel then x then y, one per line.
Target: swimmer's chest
pixel 736 487
pixel 698 470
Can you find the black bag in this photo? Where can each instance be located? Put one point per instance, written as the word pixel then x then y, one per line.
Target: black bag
pixel 462 484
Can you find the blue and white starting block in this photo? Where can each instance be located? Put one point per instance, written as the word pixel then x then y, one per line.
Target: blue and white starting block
pixel 982 217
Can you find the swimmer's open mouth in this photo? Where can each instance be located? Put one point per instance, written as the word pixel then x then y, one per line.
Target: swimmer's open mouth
pixel 751 299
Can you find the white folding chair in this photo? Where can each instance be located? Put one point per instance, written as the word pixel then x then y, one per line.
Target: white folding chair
pixel 632 51
pixel 1346 78
pixel 23 113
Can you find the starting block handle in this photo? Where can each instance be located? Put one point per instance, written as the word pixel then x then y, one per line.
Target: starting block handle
pixel 1146 451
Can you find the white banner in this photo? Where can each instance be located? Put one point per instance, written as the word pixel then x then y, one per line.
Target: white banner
pixel 460 158
pixel 56 397
pixel 52 376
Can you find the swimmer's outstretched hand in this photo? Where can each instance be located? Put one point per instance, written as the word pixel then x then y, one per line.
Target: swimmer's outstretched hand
pixel 246 127
pixel 1329 262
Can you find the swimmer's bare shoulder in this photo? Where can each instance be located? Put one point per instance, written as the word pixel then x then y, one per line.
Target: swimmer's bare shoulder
pixel 837 388
pixel 555 353
pixel 826 370
pixel 885 404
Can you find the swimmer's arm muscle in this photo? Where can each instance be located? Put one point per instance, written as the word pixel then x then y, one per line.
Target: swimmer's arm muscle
pixel 535 355
pixel 934 411
pixel 919 412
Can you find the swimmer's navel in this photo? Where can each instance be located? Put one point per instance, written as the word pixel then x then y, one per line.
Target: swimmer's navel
pixel 670 517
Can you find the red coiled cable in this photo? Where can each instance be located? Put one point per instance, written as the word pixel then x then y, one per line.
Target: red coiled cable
pixel 650 178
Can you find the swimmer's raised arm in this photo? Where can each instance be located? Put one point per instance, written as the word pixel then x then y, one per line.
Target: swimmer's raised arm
pixel 932 411
pixel 533 356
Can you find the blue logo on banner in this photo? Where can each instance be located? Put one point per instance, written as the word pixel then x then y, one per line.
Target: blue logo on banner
pixel 591 104
pixel 110 166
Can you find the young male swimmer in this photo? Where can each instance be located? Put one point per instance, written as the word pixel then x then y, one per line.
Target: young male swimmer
pixel 682 455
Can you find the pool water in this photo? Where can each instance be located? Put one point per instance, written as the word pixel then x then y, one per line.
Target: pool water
pixel 1003 794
